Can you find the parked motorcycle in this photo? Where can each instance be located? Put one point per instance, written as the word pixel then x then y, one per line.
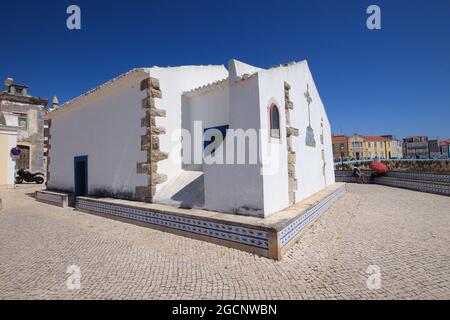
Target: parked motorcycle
pixel 27 176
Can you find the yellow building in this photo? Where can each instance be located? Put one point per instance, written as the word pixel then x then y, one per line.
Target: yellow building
pixel 340 147
pixel 377 146
pixel 356 147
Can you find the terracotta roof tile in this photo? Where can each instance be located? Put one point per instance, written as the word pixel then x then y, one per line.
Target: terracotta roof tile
pixel 376 138
pixel 339 138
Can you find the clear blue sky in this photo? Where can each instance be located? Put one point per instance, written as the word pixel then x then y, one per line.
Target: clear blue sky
pixel 390 81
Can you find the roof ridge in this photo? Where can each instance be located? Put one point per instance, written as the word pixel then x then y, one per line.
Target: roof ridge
pixel 207 86
pixel 103 85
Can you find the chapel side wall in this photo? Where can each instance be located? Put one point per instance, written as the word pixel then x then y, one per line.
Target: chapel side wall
pixel 173 82
pixel 237 188
pixel 105 126
pixel 309 162
pixel 311 175
pixel 276 189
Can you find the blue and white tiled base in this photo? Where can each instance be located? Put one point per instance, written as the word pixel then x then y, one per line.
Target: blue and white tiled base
pixel 424 186
pixel 349 179
pixel 256 236
pixel 349 173
pixel 347 176
pixel 444 178
pixel 289 232
pixel 418 181
pixel 247 236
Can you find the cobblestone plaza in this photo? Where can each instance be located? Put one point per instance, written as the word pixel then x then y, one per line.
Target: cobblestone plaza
pixel 404 234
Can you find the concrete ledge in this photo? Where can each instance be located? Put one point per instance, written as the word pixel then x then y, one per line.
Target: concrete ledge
pixel 434 177
pixel 418 181
pixel 351 179
pixel 269 237
pixel 417 185
pixel 59 199
pixel 290 233
pixel 347 176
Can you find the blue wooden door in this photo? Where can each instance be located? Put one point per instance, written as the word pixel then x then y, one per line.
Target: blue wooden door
pixel 80 165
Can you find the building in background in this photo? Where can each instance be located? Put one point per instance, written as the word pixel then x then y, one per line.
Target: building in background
pixel 377 146
pixel 434 149
pixel 416 147
pixel 359 147
pixel 394 147
pixel 444 147
pixel 30 112
pixel 356 147
pixel 340 148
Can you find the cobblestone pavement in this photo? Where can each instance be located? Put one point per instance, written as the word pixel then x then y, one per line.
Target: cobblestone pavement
pixel 405 233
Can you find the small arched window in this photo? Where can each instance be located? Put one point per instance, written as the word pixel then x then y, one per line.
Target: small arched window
pixel 274 121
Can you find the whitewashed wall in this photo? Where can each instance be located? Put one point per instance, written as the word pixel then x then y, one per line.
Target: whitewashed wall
pixel 105 126
pixel 209 108
pixel 308 159
pixel 173 82
pixel 271 90
pixel 242 188
pixel 237 187
pixel 8 140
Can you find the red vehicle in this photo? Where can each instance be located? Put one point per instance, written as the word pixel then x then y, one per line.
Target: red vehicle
pixel 379 168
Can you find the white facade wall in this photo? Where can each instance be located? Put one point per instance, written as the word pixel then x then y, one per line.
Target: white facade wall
pixel 173 82
pixel 271 91
pixel 263 188
pixel 8 140
pixel 237 188
pixel 309 162
pixel 104 126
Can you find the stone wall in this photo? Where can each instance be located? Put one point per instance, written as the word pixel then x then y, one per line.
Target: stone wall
pixel 439 166
pixel 438 183
pixel 150 141
pixel 291 132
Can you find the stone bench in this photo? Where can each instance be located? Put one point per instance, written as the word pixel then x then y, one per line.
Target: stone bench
pixel 56 198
